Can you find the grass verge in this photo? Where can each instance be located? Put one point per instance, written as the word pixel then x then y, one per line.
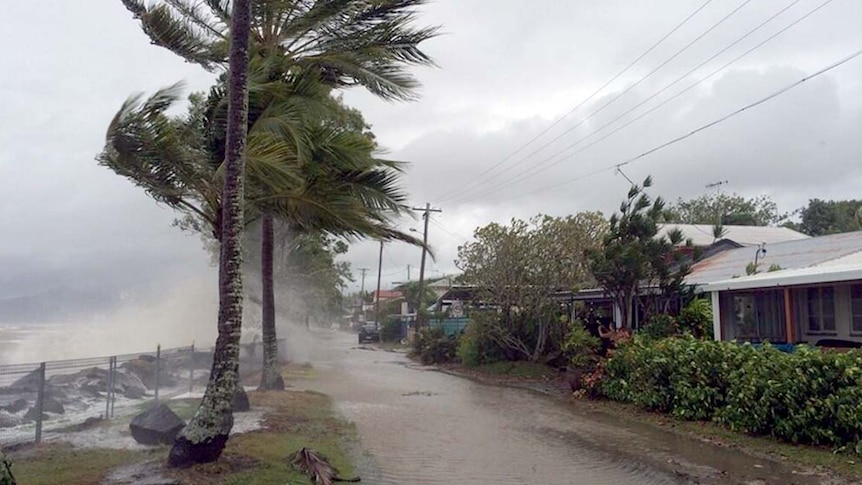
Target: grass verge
pixel 844 464
pixel 294 419
pixel 63 464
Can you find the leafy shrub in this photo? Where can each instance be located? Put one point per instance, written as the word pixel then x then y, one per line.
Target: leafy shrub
pixel 580 346
pixel 696 318
pixel 390 331
pixel 433 346
pixel 808 396
pixel 476 346
pixel 468 350
pixel 659 326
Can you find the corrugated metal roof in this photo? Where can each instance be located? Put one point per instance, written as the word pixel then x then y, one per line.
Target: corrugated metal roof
pixel 802 253
pixel 701 234
pixel 789 277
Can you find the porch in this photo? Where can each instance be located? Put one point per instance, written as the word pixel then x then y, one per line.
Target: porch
pixel 816 306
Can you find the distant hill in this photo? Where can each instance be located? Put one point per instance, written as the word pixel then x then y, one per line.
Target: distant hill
pixel 57 304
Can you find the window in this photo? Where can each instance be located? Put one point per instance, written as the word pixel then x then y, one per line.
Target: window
pixel 856 308
pixel 821 309
pixel 758 316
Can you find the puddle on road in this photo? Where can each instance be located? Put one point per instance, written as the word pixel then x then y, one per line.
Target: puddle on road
pixel 422 427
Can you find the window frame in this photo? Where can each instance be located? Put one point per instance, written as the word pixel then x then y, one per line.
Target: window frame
pixel 816 312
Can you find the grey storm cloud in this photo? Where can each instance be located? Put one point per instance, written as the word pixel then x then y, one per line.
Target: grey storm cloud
pixel 507 70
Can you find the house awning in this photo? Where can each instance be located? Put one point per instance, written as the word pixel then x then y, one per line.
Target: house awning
pixel 788 277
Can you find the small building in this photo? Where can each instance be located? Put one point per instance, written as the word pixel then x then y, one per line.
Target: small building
pixel 805 291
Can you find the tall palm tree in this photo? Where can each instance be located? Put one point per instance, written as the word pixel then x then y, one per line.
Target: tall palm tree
pixel 345 42
pixel 204 438
pixel 322 178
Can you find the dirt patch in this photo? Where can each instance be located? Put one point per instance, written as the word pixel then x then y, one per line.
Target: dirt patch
pixel 210 473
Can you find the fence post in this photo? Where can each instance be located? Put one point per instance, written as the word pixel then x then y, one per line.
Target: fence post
pixel 158 369
pixel 110 387
pixel 192 369
pixel 113 380
pixel 40 398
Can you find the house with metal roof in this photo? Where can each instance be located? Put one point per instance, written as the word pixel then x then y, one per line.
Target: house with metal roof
pixel 702 235
pixel 806 290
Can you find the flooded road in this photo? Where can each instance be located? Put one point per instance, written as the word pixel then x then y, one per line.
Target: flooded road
pixel 419 426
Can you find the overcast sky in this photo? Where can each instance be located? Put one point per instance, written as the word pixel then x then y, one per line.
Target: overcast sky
pixel 507 70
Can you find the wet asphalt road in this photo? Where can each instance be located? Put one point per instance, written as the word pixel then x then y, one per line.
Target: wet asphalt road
pixel 420 426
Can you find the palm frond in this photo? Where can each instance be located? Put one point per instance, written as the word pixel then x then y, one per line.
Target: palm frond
pixel 186 32
pixel 147 147
pixel 315 465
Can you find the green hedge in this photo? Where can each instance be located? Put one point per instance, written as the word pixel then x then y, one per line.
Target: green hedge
pixel 808 396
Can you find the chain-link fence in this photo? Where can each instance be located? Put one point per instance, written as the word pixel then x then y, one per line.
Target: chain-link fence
pixel 40 400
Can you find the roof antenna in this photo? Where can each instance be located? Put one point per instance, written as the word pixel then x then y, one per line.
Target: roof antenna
pixel 619 170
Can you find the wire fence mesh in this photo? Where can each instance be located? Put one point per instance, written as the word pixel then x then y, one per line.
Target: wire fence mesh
pixel 41 400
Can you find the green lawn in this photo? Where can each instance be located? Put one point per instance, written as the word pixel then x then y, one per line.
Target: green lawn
pixel 295 419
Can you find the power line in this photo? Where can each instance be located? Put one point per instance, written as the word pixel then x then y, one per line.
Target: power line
pixel 447 231
pixel 585 100
pixel 535 169
pixel 701 128
pixel 479 180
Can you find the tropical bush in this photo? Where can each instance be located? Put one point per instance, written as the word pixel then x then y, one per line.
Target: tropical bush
pixel 390 331
pixel 580 346
pixel 659 326
pixel 808 396
pixel 433 346
pixel 477 346
pixel 696 318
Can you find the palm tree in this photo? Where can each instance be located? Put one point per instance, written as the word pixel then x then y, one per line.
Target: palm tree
pixel 204 438
pixel 344 42
pixel 331 183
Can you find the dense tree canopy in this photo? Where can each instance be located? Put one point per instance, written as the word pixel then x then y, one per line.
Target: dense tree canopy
pixel 518 268
pixel 821 217
pixel 724 209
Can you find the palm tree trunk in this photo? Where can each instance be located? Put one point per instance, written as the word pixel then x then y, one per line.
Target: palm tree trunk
pixel 6 477
pixel 204 438
pixel 270 377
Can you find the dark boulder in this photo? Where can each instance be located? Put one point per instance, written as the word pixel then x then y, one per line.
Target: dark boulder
pixel 145 371
pixel 29 382
pixel 32 415
pixel 51 405
pixel 128 384
pixel 88 423
pixel 9 420
pixel 16 406
pixel 157 425
pixel 240 401
pixel 134 393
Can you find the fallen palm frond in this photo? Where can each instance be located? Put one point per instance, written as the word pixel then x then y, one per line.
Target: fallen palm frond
pixel 317 467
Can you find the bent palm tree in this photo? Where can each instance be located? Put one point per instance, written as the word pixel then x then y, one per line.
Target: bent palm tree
pixel 330 183
pixel 345 42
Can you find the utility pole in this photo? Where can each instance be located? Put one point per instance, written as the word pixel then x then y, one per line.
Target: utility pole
pixel 379 275
pixel 408 273
pixel 362 291
pixel 427 210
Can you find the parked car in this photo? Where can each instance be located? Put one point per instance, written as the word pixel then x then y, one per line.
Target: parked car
pixel 369 332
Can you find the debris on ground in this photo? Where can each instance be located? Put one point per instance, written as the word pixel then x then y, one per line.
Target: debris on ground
pixel 317 467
